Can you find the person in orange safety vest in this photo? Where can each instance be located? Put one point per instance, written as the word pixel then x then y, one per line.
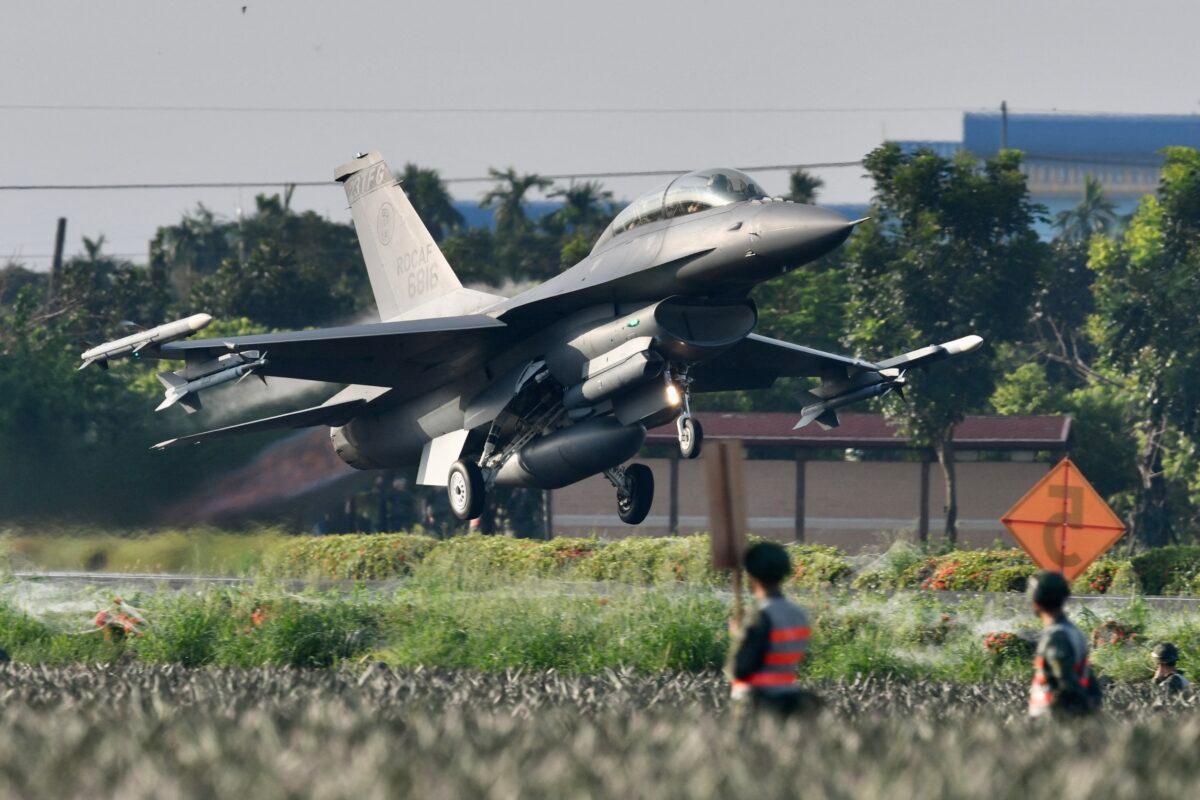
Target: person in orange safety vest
pixel 1063 682
pixel 772 644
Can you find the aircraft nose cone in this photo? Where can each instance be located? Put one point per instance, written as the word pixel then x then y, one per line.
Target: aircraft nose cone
pixel 793 234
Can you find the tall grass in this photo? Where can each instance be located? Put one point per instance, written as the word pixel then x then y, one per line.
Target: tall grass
pixel 476 622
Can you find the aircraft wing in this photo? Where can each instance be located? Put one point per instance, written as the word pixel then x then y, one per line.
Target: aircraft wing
pixel 378 354
pixel 331 414
pixel 757 361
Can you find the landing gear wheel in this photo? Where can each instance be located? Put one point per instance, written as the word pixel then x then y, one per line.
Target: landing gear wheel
pixel 466 490
pixel 633 502
pixel 691 437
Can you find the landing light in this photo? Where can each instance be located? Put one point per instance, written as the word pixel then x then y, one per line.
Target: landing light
pixel 673 396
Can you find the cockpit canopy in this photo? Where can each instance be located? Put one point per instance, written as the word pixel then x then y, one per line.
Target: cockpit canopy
pixel 688 194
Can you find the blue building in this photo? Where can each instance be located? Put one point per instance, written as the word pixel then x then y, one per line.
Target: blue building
pixel 1124 151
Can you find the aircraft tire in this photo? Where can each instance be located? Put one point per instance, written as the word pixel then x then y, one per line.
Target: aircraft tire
pixel 634 503
pixel 691 438
pixel 466 490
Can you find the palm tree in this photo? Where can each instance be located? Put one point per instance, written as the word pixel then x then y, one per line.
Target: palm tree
pixel 803 186
pixel 1094 214
pixel 507 198
pixel 433 203
pixel 586 206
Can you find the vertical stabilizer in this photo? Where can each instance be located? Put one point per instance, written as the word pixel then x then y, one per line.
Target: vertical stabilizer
pixel 404 263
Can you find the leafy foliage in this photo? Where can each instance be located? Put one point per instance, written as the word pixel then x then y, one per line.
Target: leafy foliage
pixel 950 250
pixel 1148 342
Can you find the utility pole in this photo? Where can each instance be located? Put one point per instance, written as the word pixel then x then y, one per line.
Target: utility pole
pixel 1003 124
pixel 60 236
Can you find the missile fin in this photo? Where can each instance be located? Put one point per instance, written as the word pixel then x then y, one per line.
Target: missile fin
pixel 170 380
pixel 808 414
pixel 828 419
pixel 191 402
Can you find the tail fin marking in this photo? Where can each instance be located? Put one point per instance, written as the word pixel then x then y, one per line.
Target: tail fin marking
pixel 404 264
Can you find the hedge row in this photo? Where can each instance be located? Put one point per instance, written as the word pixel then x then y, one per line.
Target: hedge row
pixel 641 560
pixel 1171 570
pixel 658 560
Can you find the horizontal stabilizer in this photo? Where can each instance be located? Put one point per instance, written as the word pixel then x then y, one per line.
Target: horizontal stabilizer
pixel 332 414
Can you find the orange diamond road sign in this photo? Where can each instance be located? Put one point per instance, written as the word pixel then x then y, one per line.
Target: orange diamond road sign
pixel 1062 522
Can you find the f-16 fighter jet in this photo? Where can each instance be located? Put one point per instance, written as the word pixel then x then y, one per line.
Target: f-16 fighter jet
pixel 560 382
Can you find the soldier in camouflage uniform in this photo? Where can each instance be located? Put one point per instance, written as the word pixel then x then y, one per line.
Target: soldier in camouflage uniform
pixel 1063 683
pixel 768 648
pixel 1167 676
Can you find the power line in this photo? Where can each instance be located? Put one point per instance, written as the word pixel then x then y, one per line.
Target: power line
pixel 1099 161
pixel 550 110
pixel 489 111
pixel 31 187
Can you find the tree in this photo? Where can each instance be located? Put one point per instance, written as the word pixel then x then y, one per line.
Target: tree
pixel 1145 330
pixel 269 288
pixel 950 250
pixel 1094 214
pixel 803 186
pixel 433 203
pixel 587 208
pixel 507 198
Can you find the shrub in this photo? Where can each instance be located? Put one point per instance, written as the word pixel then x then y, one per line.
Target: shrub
pixel 970 571
pixel 1167 570
pixel 1007 646
pixel 198 550
pixel 501 557
pixel 1107 576
pixel 350 556
pixel 648 560
pixel 817 565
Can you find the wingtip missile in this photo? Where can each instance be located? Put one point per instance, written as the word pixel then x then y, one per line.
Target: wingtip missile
pixel 135 343
pixel 964 345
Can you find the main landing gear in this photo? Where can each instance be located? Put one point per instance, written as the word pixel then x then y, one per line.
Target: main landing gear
pixel 635 491
pixel 467 490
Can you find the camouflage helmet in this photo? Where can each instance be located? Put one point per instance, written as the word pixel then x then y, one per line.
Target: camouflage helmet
pixel 767 562
pixel 1165 652
pixel 1049 590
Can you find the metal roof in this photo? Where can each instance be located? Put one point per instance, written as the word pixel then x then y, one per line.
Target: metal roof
pixel 866 431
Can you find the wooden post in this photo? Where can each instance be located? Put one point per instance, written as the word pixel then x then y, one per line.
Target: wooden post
pixel 727 512
pixel 801 462
pixel 673 507
pixel 923 518
pixel 60 236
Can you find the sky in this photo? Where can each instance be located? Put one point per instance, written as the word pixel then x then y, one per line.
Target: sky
pixel 548 87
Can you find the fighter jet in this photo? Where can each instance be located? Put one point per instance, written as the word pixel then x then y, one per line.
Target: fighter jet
pixel 560 382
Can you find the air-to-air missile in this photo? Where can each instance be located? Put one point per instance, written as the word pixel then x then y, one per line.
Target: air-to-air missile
pixel 135 343
pixel 184 387
pixel 869 383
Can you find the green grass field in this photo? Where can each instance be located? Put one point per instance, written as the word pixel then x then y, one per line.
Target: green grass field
pixel 476 622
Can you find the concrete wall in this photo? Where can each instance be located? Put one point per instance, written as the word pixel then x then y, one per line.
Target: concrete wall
pixel 854 505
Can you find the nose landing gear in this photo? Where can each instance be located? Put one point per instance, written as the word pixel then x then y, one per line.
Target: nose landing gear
pixel 691 433
pixel 691 436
